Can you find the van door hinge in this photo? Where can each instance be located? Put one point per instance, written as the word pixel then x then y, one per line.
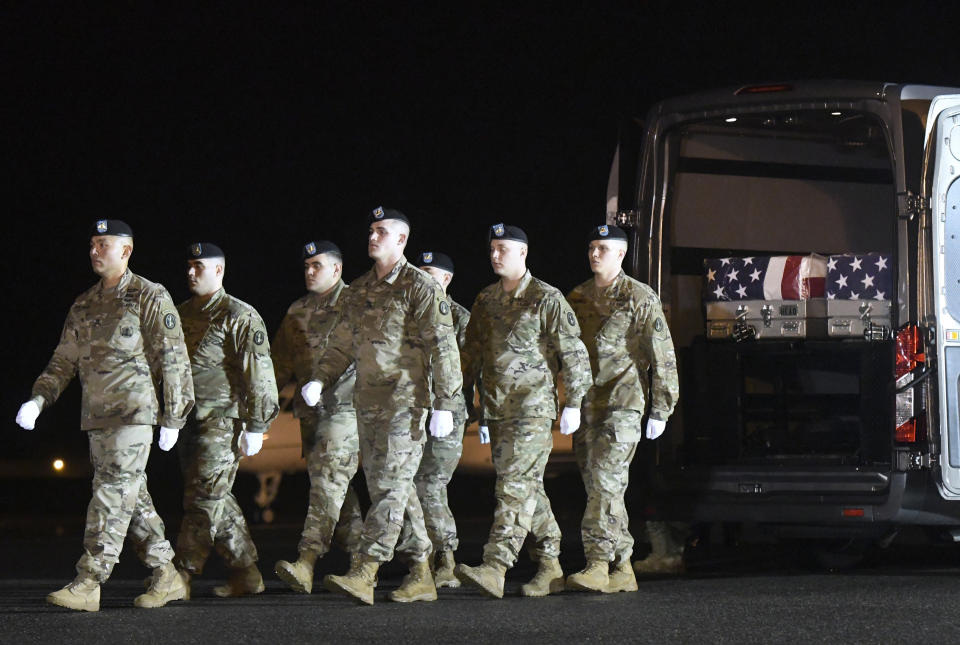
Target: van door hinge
pixel 910 204
pixel 913 461
pixel 630 218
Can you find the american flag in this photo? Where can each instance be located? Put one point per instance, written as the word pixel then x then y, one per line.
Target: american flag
pixel 779 277
pixel 866 276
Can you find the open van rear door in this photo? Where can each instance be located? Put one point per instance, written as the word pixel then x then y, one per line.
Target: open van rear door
pixel 943 125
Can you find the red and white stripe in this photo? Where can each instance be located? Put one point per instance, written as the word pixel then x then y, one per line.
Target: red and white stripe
pixel 795 277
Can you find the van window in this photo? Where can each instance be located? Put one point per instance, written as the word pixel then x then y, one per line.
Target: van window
pixel 782 182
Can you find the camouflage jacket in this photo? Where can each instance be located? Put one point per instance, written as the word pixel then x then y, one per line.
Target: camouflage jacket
pixel 125 343
pixel 300 342
pixel 400 333
pixel 461 316
pixel 626 334
pixel 230 360
pixel 516 343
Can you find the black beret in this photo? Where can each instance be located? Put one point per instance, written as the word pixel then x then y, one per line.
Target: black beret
pixel 607 232
pixel 380 213
pixel 436 260
pixel 111 227
pixel 204 250
pixel 507 232
pixel 320 247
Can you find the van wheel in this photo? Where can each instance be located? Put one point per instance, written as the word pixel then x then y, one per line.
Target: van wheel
pixel 842 553
pixel 846 553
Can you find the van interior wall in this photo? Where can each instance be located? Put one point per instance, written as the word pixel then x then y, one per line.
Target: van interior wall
pixel 736 414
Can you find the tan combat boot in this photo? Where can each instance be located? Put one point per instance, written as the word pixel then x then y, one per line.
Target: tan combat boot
pixel 299 574
pixel 417 585
pixel 168 584
pixel 444 576
pixel 242 582
pixel 658 565
pixel 549 579
pixel 488 577
pixel 83 594
pixel 594 577
pixel 622 578
pixel 358 582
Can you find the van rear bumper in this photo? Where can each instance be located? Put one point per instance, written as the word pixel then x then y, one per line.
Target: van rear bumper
pixel 807 496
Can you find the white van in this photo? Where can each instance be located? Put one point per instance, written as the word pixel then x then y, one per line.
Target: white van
pixel 835 412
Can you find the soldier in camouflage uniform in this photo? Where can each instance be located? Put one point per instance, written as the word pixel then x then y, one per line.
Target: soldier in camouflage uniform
pixel 329 431
pixel 398 330
pixel 236 401
pixel 521 329
pixel 123 338
pixel 441 454
pixel 628 340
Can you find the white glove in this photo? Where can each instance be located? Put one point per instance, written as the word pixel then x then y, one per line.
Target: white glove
pixel 27 416
pixel 441 423
pixel 484 434
pixel 569 420
pixel 168 437
pixel 655 428
pixel 250 443
pixel 311 392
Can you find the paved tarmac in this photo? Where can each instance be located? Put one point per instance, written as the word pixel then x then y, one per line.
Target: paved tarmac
pixel 752 592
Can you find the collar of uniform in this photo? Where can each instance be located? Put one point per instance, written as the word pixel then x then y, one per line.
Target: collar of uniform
pixel 121 287
pixel 391 277
pixel 521 287
pixel 330 297
pixel 612 289
pixel 214 300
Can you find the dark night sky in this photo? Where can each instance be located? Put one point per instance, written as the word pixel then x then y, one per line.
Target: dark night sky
pixel 262 126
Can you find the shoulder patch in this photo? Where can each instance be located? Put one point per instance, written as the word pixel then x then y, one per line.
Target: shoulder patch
pixel 169 320
pixel 444 307
pixel 658 324
pixel 171 324
pixel 569 323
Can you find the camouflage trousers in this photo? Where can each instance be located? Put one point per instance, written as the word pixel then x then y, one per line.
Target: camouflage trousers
pixel 604 447
pixel 209 458
pixel 391 446
pixel 332 448
pixel 521 448
pixel 120 504
pixel 440 459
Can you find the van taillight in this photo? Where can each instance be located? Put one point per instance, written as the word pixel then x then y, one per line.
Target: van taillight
pixel 909 350
pixel 909 427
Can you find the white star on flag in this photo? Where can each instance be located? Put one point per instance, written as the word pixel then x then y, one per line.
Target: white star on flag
pixel 867 282
pixel 831 295
pixel 855 265
pixel 711 275
pixel 880 296
pixel 881 263
pixel 854 295
pixel 842 282
pixel 742 291
pixel 755 275
pixel 831 263
pixel 747 261
pixel 732 276
pixel 724 261
pixel 718 292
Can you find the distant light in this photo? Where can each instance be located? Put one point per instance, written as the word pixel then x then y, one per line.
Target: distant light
pixel 58 464
pixel 731 119
pixel 836 114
